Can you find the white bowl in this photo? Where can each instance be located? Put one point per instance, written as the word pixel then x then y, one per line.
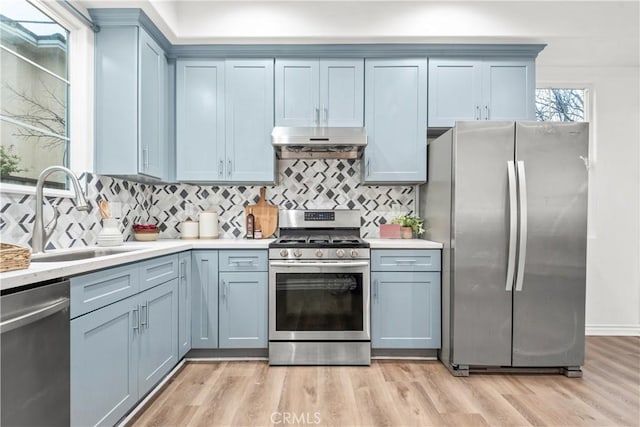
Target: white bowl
pixel 146 237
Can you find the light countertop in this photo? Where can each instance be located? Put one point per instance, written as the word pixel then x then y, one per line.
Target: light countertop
pixel 43 271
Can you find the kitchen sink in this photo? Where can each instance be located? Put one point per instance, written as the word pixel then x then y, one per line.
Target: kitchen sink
pixel 79 254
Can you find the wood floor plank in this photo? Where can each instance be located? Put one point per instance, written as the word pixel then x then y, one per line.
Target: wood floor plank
pixel 402 393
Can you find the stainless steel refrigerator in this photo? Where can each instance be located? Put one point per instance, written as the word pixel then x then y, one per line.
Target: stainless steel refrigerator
pixel 509 202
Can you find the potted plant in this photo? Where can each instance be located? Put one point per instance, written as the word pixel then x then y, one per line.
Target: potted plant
pixel 410 225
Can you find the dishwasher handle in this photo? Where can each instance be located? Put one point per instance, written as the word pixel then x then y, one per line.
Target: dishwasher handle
pixel 34 316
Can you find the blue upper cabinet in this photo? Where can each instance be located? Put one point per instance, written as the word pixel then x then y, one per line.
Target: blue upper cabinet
pixel 297 92
pixel 481 89
pixel 200 139
pixel 131 104
pixel 319 92
pixel 249 120
pixel 224 118
pixel 396 121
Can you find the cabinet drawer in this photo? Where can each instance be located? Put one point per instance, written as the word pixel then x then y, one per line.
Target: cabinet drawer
pixel 405 260
pixel 243 260
pixel 95 290
pixel 158 270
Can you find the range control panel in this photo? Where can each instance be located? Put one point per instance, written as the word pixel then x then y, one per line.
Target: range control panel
pixel 320 216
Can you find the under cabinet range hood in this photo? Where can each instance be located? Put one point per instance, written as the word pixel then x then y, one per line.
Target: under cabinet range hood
pixel 318 142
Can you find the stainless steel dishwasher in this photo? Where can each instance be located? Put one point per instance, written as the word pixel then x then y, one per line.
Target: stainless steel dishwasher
pixel 34 337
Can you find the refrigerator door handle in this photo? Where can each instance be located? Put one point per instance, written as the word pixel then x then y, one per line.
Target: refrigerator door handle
pixel 522 252
pixel 513 224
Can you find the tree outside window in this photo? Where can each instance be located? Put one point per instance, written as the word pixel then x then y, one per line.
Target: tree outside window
pixel 560 105
pixel 34 94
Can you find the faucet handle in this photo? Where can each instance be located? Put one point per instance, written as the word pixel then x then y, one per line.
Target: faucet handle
pixel 51 225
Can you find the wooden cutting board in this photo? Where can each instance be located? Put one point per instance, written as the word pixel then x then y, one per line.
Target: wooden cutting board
pixel 265 214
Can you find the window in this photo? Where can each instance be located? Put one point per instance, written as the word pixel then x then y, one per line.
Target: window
pixel 34 94
pixel 37 38
pixel 560 104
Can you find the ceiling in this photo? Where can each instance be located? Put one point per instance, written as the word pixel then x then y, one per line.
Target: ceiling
pixel 603 33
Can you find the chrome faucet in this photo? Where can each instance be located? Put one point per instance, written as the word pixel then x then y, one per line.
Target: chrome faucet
pixel 40 236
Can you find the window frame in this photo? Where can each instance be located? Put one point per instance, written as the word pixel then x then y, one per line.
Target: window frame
pixel 80 102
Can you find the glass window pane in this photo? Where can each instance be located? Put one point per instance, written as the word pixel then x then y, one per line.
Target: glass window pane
pixel 25 152
pixel 560 105
pixel 32 96
pixel 29 32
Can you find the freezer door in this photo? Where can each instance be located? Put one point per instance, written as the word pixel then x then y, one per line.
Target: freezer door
pixel 548 310
pixel 481 302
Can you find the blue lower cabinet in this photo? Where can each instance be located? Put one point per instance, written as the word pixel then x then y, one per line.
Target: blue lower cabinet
pixel 158 334
pixel 104 364
pixel 120 352
pixel 243 310
pixel 405 310
pixel 204 299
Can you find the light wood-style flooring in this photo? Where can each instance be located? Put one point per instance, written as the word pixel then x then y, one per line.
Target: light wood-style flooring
pixel 403 393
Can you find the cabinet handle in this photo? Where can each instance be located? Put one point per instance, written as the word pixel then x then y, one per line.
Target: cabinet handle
pixel 325 112
pixel 368 167
pixel 221 168
pixel 375 290
pixel 486 112
pixel 406 261
pixel 223 285
pixel 477 112
pixel 144 320
pixel 229 170
pixel 145 158
pixel 136 322
pixel 183 270
pixel 317 116
pixel 247 262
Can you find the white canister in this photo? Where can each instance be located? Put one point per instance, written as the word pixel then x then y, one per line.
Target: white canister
pixel 189 230
pixel 208 224
pixel 110 234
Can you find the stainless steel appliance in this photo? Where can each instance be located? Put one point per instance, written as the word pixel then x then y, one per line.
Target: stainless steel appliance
pixel 509 202
pixel 34 334
pixel 318 142
pixel 319 290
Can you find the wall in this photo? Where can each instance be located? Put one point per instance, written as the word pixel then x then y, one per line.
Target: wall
pixel 326 184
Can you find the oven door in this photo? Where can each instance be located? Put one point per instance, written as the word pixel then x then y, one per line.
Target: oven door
pixel 319 301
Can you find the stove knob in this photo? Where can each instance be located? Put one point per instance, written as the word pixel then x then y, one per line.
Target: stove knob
pixel 284 253
pixel 340 253
pixel 297 253
pixel 354 253
pixel 319 253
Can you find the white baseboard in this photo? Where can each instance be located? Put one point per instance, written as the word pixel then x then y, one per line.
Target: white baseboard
pixel 614 330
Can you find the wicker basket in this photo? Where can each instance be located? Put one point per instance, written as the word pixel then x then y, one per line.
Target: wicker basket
pixel 14 257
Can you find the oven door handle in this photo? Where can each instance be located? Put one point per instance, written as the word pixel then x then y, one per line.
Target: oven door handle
pixel 320 264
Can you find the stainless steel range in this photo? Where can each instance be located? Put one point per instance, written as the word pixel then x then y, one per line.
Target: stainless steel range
pixel 319 290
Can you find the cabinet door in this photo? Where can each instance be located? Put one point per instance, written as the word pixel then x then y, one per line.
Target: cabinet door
pixel 151 109
pixel 396 120
pixel 116 101
pixel 200 136
pixel 455 91
pixel 341 92
pixel 204 299
pixel 243 310
pixel 249 120
pixel 508 90
pixel 405 310
pixel 296 92
pixel 104 357
pixel 158 334
pixel 184 304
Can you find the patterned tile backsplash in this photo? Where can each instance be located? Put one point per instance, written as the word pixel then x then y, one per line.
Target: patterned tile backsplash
pixel 302 184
